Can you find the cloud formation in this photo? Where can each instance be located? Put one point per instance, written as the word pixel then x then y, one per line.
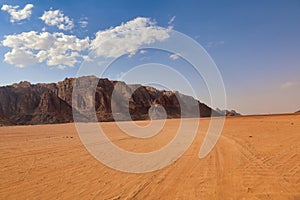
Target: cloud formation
pixel 56 49
pixel 127 38
pixel 288 84
pixel 83 22
pixel 16 14
pixel 58 19
pixel 61 50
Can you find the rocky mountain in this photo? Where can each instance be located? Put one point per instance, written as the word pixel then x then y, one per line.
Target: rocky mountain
pixel 228 112
pixel 26 103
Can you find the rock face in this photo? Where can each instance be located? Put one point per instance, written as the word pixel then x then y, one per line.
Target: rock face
pixel 5 121
pixel 25 103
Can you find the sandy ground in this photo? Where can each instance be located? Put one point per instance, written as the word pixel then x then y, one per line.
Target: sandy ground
pixel 255 158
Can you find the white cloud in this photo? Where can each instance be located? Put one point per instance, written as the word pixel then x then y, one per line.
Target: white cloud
pixel 61 50
pixel 58 19
pixel 83 22
pixel 174 56
pixel 170 22
pixel 128 37
pixel 56 49
pixel 288 84
pixel 143 51
pixel 20 57
pixel 18 14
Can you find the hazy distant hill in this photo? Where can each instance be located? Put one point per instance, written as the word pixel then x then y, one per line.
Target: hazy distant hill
pixel 26 103
pixel 228 112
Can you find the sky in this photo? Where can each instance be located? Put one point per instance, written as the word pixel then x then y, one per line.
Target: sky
pixel 254 44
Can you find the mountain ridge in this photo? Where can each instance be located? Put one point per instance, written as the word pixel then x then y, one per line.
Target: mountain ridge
pixel 45 103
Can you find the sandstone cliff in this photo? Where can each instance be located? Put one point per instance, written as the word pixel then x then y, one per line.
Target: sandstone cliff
pixel 26 103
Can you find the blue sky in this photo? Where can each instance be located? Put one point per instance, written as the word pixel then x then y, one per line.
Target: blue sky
pixel 255 44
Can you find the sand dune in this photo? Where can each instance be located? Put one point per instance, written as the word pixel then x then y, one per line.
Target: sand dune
pixel 256 157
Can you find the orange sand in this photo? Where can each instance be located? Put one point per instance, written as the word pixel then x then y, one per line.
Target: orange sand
pixel 256 157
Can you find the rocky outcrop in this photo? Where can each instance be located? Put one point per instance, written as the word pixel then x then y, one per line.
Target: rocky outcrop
pixel 232 113
pixel 228 112
pixel 26 103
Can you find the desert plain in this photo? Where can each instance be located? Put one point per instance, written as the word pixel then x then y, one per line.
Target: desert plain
pixel 256 157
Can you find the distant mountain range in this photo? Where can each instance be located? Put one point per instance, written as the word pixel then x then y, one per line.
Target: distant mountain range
pixel 25 103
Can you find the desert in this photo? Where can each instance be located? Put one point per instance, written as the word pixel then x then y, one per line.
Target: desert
pixel 149 100
pixel 256 157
